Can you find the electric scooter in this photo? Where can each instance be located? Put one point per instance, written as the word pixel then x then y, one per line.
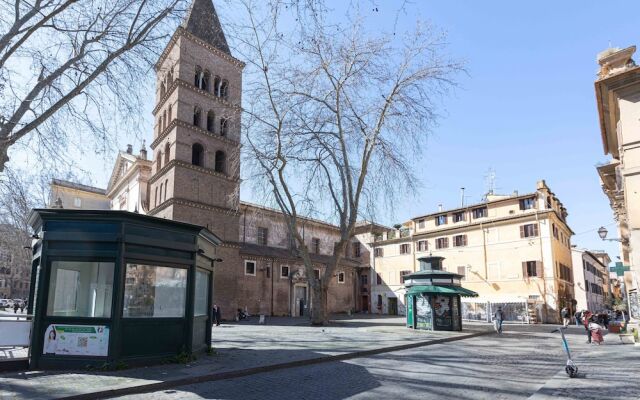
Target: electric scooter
pixel 571 369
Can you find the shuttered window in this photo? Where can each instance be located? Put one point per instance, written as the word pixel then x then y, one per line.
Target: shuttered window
pixel 480 212
pixel 422 245
pixel 532 269
pixel 405 249
pixel 529 230
pixel 460 240
pixel 442 243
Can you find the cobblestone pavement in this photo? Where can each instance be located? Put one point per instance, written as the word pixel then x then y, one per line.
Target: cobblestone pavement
pixel 525 361
pixel 239 346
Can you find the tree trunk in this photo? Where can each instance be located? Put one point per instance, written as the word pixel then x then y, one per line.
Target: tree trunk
pixel 319 315
pixel 4 156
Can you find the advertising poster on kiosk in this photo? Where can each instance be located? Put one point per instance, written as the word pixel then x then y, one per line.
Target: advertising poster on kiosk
pixel 423 313
pixel 76 340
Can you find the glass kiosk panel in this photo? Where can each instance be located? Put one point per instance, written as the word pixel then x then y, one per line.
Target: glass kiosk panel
pixel 201 304
pixel 80 289
pixel 153 291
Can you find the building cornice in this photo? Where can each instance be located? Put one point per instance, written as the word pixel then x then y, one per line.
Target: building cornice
pixel 176 163
pixel 184 202
pixel 461 228
pixel 183 32
pixel 477 205
pixel 176 122
pixel 179 82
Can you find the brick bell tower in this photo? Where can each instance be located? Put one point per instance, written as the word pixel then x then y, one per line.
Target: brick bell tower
pixel 196 167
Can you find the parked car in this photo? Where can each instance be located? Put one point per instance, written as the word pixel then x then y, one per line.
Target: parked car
pixel 6 303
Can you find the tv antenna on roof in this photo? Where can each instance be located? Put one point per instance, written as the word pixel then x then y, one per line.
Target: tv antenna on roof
pixel 490 181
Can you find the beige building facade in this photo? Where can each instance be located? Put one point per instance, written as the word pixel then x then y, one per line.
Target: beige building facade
pixel 71 195
pixel 514 248
pixel 618 100
pixel 591 277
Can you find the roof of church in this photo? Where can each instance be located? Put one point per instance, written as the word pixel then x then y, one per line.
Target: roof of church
pixel 202 21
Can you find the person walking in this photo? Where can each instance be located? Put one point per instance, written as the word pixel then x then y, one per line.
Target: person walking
pixel 218 315
pixel 586 317
pixel 565 316
pixel 215 315
pixel 15 307
pixel 578 316
pixel 498 317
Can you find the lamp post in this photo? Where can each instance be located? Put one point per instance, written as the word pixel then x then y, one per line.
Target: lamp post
pixel 602 232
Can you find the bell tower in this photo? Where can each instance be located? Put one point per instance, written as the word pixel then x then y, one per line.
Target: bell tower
pixel 196 167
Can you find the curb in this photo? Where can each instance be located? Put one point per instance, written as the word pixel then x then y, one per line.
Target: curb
pixel 153 387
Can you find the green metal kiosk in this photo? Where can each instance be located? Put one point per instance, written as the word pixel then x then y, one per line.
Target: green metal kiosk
pixel 433 297
pixel 113 287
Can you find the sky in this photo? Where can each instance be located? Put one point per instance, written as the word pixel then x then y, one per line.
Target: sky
pixel 526 109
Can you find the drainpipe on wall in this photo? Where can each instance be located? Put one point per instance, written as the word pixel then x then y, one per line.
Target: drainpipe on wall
pixel 484 252
pixel 545 305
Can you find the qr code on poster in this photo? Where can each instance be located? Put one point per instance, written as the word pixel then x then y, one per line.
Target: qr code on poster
pixel 83 341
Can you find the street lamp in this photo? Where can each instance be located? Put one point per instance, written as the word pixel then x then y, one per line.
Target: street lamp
pixel 602 232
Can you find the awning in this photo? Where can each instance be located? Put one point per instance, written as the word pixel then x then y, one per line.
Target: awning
pixel 442 290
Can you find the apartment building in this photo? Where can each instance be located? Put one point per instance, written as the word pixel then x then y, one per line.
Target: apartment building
pixel 513 248
pixel 591 280
pixel 618 99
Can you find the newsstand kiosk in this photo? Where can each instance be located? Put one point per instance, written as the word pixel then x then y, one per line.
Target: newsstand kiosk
pixel 118 288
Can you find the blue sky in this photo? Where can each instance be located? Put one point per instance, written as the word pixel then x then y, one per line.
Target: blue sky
pixel 527 108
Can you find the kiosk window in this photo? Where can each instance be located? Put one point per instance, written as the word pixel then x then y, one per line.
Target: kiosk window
pixel 80 289
pixel 202 293
pixel 155 292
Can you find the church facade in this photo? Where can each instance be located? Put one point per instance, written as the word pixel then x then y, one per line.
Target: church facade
pixel 194 177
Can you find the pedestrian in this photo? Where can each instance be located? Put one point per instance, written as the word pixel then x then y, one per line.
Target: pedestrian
pixel 596 332
pixel 15 307
pixel 578 316
pixel 586 317
pixel 498 317
pixel 565 316
pixel 216 315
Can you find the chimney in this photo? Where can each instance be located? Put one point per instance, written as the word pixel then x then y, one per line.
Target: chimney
pixel 129 149
pixel 439 207
pixel 143 151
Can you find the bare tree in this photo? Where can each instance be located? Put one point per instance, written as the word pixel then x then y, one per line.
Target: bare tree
pixel 335 115
pixel 71 66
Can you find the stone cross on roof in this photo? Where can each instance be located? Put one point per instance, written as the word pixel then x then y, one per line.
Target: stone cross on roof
pixel 202 21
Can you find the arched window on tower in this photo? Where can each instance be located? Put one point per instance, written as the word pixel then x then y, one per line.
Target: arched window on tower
pixel 197 154
pixel 161 186
pixel 224 126
pixel 196 116
pixel 216 86
pixel 163 90
pixel 206 78
pixel 224 89
pixel 169 115
pixel 220 161
pixel 164 120
pixel 155 199
pixel 211 121
pixel 166 185
pixel 197 76
pixel 159 125
pixel 167 153
pixel 159 161
pixel 170 77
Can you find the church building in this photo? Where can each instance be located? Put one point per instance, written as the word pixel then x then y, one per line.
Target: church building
pixel 194 177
